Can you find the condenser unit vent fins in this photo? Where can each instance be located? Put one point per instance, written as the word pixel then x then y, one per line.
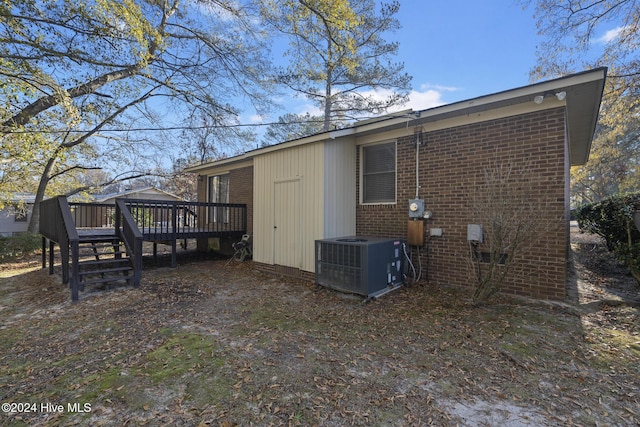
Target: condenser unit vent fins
pixel 368 266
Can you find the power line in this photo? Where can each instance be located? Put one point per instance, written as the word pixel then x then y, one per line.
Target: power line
pixel 148 129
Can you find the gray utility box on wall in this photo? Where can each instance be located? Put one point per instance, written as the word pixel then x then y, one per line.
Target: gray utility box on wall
pixel 368 266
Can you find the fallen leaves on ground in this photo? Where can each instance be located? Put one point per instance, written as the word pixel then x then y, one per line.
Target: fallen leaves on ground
pixel 211 344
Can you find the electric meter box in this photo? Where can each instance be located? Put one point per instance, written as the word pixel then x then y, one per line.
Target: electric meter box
pixel 474 233
pixel 416 208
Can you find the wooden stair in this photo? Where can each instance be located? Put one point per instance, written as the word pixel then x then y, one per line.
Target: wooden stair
pixel 102 261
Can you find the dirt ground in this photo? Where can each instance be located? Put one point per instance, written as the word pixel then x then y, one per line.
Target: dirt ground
pixel 211 343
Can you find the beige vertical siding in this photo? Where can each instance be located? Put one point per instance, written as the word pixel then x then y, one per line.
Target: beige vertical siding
pixel 340 188
pixel 304 165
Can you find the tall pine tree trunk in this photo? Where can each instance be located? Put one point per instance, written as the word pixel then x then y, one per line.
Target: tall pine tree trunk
pixel 327 101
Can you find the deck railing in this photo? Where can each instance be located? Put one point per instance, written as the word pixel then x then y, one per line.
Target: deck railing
pixel 57 225
pixel 165 219
pixel 93 215
pixel 174 218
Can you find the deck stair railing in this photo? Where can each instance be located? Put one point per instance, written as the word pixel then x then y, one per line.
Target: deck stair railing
pixel 89 243
pixel 129 233
pixel 57 226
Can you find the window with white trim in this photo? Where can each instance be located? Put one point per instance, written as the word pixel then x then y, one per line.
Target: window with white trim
pixel 379 173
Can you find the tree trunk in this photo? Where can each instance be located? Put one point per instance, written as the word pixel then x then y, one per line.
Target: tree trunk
pixel 327 104
pixel 34 222
pixel 46 102
pixel 327 87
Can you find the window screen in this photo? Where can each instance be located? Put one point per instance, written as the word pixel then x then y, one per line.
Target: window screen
pixel 379 173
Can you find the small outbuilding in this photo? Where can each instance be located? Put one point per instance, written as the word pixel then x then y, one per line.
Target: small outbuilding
pixel 15 216
pixel 145 193
pixel 371 179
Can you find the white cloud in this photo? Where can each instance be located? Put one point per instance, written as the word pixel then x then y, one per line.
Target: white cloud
pixel 439 88
pixel 312 109
pixel 427 96
pixel 610 35
pixel 256 119
pixel 424 99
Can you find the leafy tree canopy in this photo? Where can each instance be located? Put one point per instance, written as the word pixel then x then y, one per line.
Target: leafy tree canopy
pixel 583 34
pixel 73 72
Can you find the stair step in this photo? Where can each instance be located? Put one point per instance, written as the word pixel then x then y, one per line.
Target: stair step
pixel 100 249
pixel 98 246
pixel 98 238
pixel 101 244
pixel 103 262
pixel 104 271
pixel 108 279
pixel 100 257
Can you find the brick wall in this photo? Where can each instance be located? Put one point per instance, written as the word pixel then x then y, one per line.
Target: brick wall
pixel 279 270
pixel 241 191
pixel 452 164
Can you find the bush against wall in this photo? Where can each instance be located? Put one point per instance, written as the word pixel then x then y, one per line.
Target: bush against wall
pixel 19 245
pixel 612 218
pixel 505 202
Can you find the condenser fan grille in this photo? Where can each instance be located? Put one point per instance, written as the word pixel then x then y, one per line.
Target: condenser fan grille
pixel 339 266
pixel 340 254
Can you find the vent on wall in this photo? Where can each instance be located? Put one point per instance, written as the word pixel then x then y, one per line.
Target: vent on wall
pixel 368 266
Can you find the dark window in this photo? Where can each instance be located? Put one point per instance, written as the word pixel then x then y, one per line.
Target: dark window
pixel 485 257
pixel 379 173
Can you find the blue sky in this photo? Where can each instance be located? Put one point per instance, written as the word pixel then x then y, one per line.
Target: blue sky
pixel 456 50
pixel 463 49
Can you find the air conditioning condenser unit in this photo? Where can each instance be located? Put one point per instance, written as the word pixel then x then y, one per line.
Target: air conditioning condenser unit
pixel 368 266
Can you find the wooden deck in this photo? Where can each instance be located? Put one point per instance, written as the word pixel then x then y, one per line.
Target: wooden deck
pixel 168 235
pixel 131 222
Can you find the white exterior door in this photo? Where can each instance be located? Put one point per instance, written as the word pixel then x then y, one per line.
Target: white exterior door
pixel 287 224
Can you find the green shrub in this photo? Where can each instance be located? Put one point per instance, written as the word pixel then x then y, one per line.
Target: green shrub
pixel 19 245
pixel 612 219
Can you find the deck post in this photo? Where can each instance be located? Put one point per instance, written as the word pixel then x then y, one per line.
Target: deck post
pixel 44 252
pixel 174 255
pixel 174 223
pixel 52 247
pixel 64 256
pixel 75 276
